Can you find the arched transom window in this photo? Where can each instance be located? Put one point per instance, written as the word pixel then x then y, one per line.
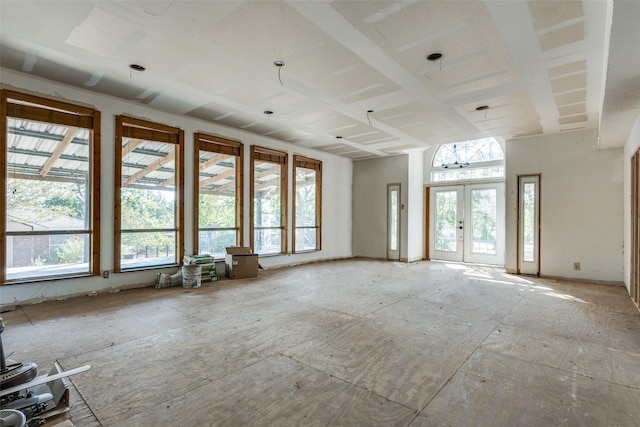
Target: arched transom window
pixel 476 159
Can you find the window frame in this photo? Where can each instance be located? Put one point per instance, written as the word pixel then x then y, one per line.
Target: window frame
pixel 316 165
pixel 269 155
pixel 130 127
pixel 473 165
pixel 60 113
pixel 216 144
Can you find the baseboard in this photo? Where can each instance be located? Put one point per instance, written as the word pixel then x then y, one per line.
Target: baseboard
pixel 590 281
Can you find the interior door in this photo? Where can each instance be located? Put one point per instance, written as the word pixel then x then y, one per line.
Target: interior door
pixel 467 223
pixel 447 225
pixel 529 224
pixel 393 222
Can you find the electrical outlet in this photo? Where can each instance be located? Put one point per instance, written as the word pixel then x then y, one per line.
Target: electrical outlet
pixel 576 266
pixel 105 274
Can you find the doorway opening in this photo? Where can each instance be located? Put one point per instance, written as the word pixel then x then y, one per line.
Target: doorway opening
pixel 466 221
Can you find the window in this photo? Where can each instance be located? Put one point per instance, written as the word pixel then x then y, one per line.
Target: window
pixel 218 189
pixel 269 195
pixel 307 199
pixel 149 195
pixel 50 168
pixel 529 216
pixel 468 160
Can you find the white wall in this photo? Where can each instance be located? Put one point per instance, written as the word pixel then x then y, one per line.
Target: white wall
pixel 632 145
pixel 336 192
pixel 581 204
pixel 370 179
pixel 415 207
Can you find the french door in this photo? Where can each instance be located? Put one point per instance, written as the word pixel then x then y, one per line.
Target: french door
pixel 467 223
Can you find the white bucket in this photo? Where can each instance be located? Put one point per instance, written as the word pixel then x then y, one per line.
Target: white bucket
pixel 191 275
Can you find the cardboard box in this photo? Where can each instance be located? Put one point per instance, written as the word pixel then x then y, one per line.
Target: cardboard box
pixel 240 263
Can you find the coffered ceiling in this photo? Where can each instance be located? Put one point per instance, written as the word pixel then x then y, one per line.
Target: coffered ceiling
pixel 352 69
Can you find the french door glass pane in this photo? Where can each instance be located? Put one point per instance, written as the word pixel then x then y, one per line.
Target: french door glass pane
pixel 446 210
pixel 483 221
pixel 529 212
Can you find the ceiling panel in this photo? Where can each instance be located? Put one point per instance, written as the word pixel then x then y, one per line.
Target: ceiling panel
pixel 552 13
pixel 538 65
pixel 578 96
pixel 562 36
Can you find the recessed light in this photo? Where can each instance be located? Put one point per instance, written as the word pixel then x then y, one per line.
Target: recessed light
pixel 434 56
pixel 482 108
pixel 268 112
pixel 137 67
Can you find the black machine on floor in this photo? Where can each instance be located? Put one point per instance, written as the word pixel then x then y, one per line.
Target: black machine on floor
pixel 25 396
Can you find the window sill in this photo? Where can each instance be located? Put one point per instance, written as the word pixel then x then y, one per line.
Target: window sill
pixel 24 281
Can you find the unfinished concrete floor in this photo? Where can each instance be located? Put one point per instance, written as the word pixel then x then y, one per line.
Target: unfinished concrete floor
pixel 348 343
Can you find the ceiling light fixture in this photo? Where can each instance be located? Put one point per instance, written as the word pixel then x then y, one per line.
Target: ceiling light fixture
pixel 338 137
pixel 457 163
pixel 435 56
pixel 484 108
pixel 369 118
pixel 279 64
pixel 268 112
pixel 135 67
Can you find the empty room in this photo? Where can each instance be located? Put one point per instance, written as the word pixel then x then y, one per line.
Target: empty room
pixel 348 212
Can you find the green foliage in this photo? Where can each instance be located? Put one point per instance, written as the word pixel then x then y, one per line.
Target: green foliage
pixel 38 262
pixel 446 221
pixel 146 209
pixel 217 211
pixel 71 251
pixel 305 197
pixel 44 200
pixel 484 218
